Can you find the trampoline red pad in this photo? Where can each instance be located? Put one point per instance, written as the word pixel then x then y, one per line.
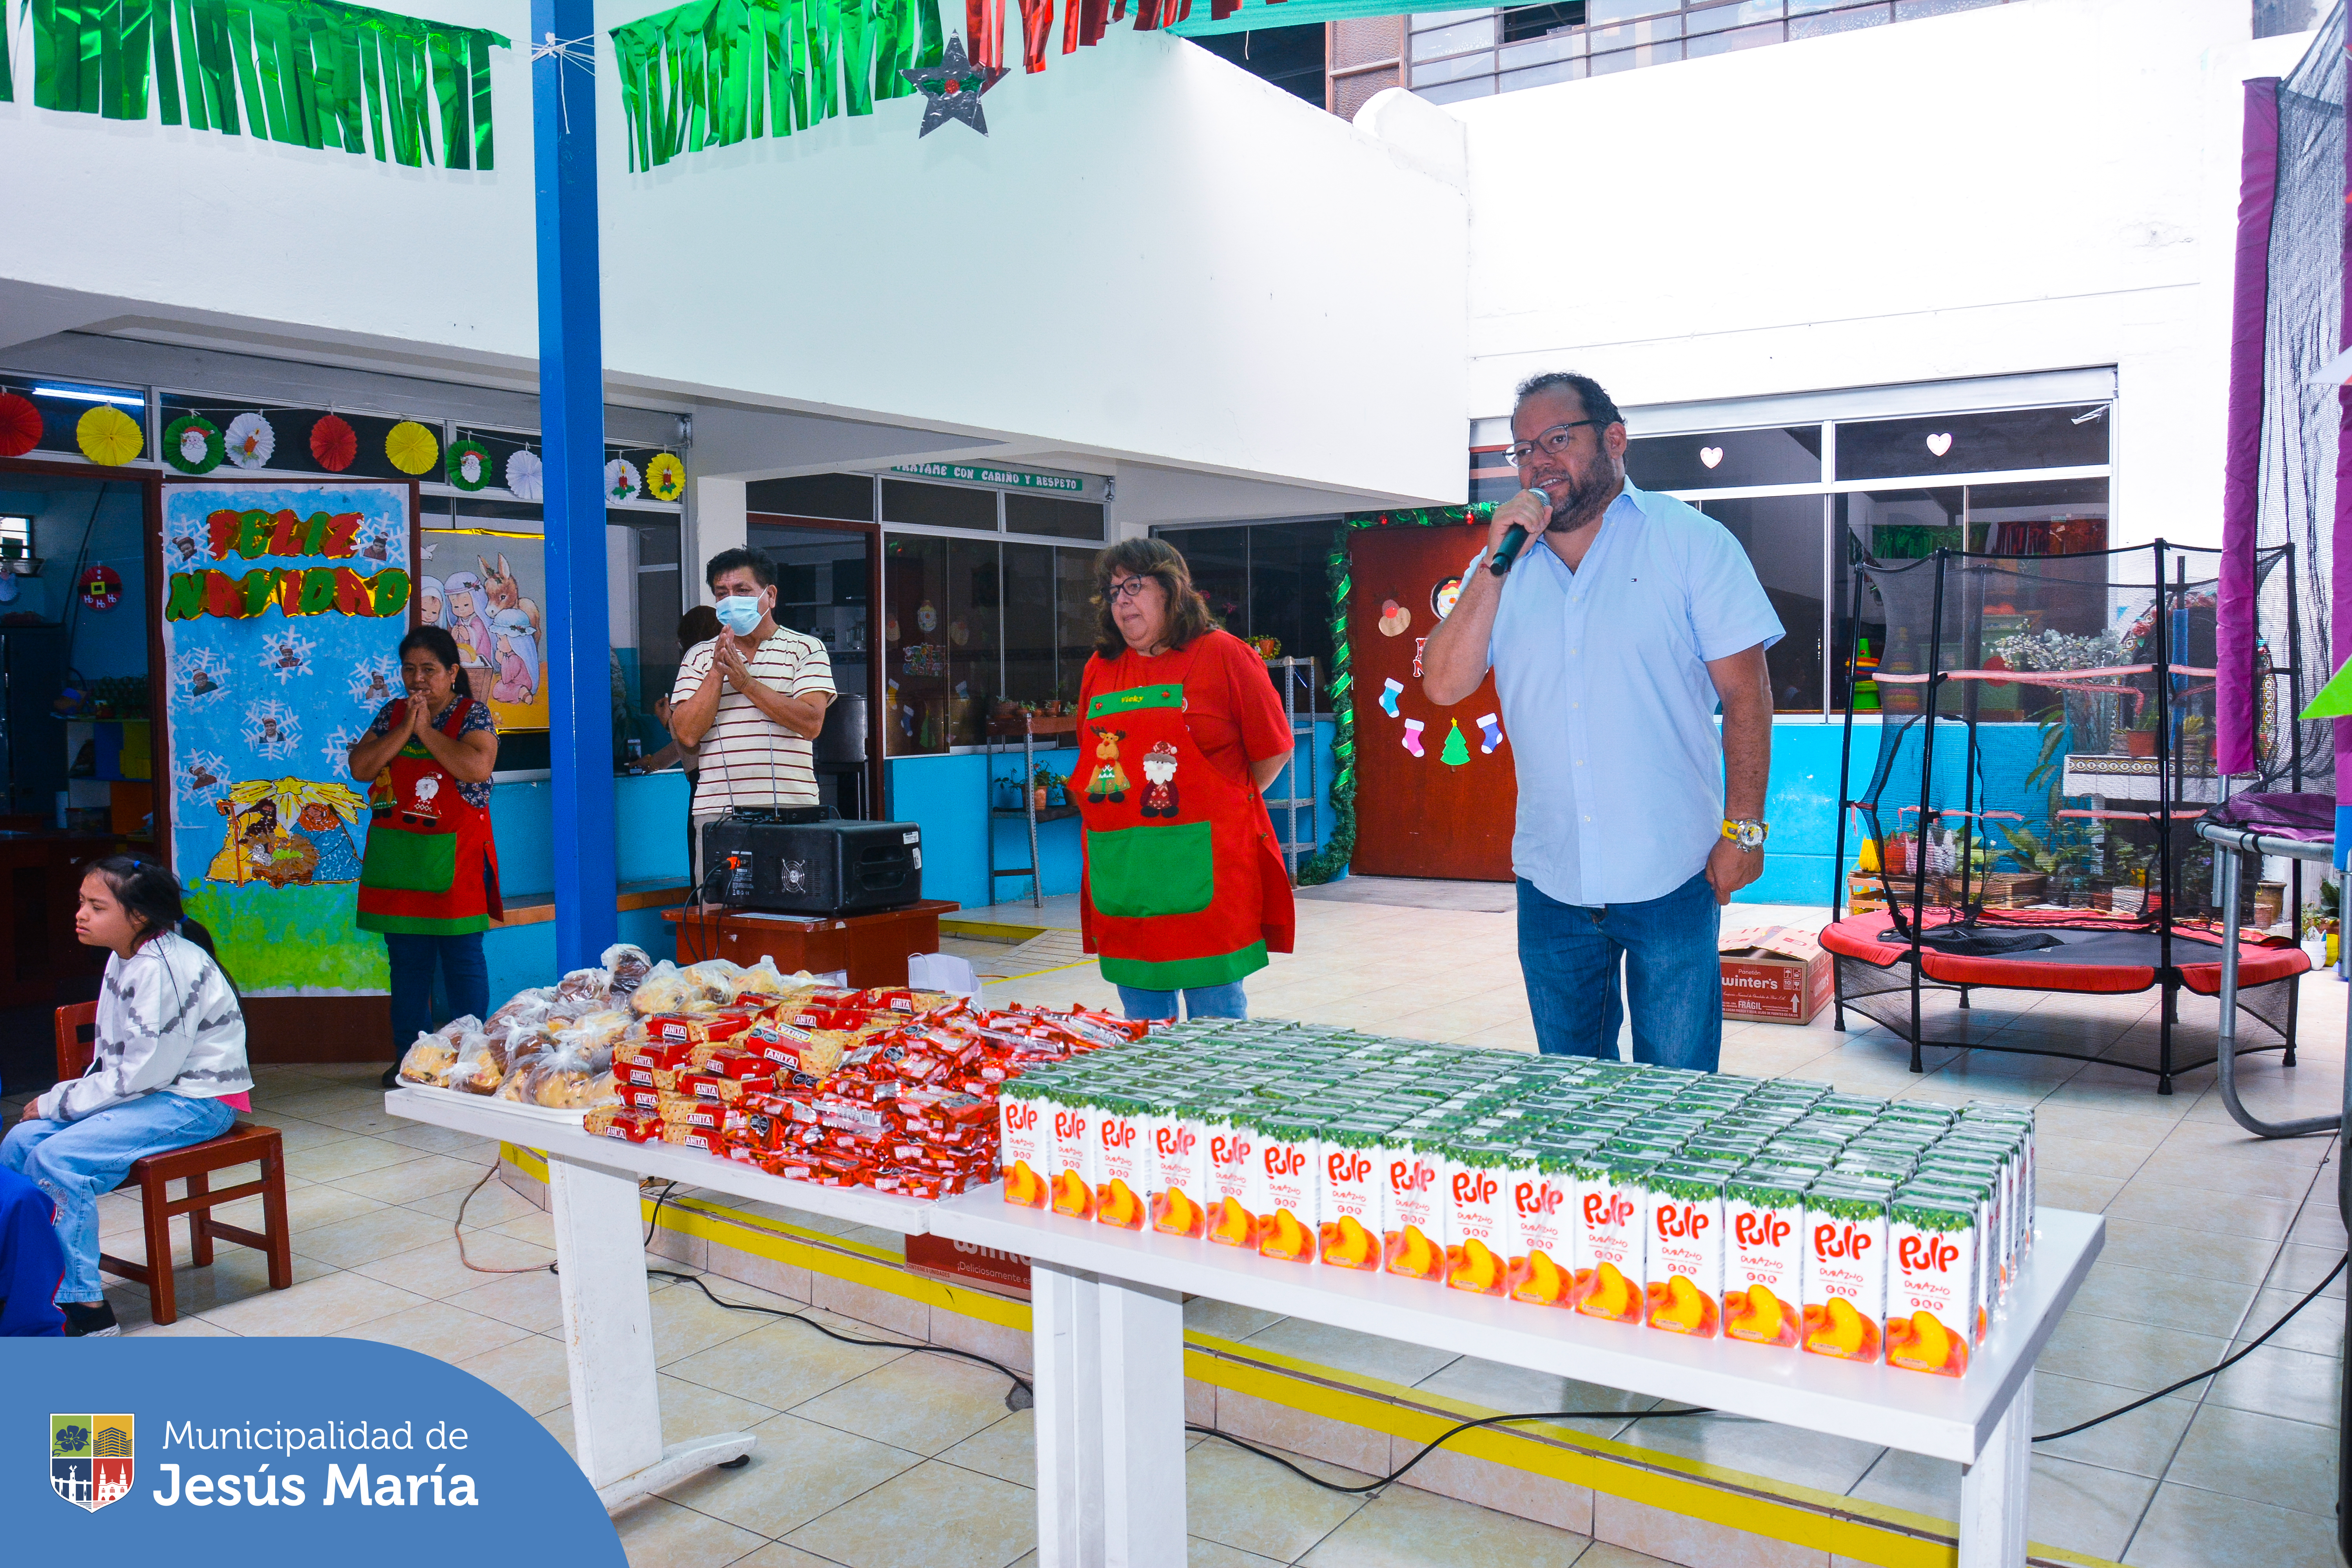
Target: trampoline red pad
pixel 2081 959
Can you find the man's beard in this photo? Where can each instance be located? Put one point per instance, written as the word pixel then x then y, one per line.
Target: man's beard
pixel 1586 499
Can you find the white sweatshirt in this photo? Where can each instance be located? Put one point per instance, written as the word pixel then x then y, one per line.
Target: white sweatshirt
pixel 166 1019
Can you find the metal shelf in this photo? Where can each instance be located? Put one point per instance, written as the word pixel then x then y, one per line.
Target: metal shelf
pixel 1291 676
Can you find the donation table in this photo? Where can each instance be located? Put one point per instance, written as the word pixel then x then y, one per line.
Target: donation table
pixel 872 949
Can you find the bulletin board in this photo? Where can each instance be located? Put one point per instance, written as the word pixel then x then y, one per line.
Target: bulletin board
pixel 485 588
pixel 282 607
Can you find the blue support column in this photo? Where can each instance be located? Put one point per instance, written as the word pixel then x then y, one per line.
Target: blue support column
pixel 572 427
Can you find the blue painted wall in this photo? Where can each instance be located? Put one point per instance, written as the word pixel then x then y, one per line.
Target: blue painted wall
pixel 649 819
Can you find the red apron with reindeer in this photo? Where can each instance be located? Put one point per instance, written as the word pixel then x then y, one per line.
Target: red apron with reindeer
pixel 1178 854
pixel 431 869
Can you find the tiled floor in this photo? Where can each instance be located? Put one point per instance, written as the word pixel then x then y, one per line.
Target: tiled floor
pixel 872 1457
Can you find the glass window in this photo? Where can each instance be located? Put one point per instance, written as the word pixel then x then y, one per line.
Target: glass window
pixel 15 537
pixel 1884 525
pixel 849 497
pixel 1219 558
pixel 1459 38
pixel 1738 14
pixel 1030 638
pixel 1076 618
pixel 2056 517
pixel 939 506
pixel 63 403
pixel 1783 536
pixel 1720 459
pixel 297 446
pixel 1492 477
pixel 1843 21
pixel 1051 515
pixel 2073 436
pixel 1702 45
pixel 943 639
pixel 1291 589
pixel 1520 22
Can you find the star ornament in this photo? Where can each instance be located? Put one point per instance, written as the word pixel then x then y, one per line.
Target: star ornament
pixel 951 89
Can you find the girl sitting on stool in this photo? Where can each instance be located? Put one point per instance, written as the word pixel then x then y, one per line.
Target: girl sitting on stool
pixel 169 1070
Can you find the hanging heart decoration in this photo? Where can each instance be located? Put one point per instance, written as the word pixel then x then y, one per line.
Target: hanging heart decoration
pixel 20 426
pixel 251 441
pixel 1710 456
pixel 1940 442
pixel 335 442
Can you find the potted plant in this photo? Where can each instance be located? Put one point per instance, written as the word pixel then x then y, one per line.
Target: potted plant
pixel 2140 740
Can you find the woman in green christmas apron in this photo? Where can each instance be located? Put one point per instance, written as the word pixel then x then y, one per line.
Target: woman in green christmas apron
pixel 430 878
pixel 1179 732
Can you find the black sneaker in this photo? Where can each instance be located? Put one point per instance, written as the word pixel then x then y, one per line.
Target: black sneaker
pixel 391 1078
pixel 87 1321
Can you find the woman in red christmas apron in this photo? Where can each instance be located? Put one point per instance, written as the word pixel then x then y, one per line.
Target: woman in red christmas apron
pixel 1178 733
pixel 430 878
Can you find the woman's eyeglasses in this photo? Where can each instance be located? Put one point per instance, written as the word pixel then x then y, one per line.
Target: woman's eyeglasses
pixel 1554 441
pixel 1127 588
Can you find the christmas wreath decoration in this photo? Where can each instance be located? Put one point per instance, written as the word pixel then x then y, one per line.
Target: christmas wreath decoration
pixel 665 477
pixel 20 426
pixel 470 466
pixel 192 444
pixel 335 442
pixel 621 480
pixel 526 476
pixel 411 446
pixel 108 437
pixel 251 441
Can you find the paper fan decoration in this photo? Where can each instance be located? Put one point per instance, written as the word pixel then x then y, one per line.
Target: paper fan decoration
pixel 411 446
pixel 20 426
pixel 665 477
pixel 335 442
pixel 525 475
pixel 193 445
pixel 251 441
pixel 621 480
pixel 108 437
pixel 470 466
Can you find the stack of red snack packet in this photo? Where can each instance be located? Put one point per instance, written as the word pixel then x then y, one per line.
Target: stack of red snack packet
pixel 891 1089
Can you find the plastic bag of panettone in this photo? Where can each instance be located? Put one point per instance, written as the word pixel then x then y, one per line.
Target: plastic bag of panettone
pixel 428 1061
pixel 626 966
pixel 590 986
pixel 478 1070
pixel 665 989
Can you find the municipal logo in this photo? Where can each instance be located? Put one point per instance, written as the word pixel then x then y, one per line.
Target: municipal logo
pixel 90 1459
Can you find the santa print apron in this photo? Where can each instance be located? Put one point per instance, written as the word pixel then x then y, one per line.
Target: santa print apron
pixel 1176 856
pixel 430 868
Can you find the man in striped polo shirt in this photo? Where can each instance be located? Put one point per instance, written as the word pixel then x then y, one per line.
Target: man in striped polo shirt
pixel 751 700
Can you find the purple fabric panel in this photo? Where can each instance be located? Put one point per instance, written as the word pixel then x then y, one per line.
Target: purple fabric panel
pixel 2241 487
pixel 2311 818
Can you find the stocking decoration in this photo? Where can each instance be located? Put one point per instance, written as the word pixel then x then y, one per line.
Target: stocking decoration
pixel 1491 734
pixel 1391 689
pixel 1457 750
pixel 1412 737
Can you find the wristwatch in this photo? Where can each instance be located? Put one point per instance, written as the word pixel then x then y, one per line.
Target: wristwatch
pixel 1746 832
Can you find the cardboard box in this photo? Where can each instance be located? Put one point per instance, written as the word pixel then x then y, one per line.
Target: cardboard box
pixel 1773 974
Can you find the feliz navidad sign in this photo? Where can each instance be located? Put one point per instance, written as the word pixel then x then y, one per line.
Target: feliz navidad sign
pixel 296 589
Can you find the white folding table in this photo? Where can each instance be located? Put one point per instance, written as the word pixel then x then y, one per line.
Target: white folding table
pixel 1107 1315
pixel 600 1249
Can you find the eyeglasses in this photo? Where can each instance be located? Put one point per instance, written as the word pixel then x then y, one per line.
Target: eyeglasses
pixel 1554 440
pixel 1128 587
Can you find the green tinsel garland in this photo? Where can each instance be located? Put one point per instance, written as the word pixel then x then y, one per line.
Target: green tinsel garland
pixel 712 73
pixel 1339 846
pixel 312 73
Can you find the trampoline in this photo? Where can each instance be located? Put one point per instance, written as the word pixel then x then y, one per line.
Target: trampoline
pixel 2045 749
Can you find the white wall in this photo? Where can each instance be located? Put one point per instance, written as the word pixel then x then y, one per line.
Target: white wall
pixel 1137 262
pixel 2032 186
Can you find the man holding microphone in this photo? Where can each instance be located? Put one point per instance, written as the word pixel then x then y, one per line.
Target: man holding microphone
pixel 1613 635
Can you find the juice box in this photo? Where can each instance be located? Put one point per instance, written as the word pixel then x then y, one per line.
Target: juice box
pixel 1121 1177
pixel 1952 1190
pixel 1844 1291
pixel 1024 1120
pixel 1478 1217
pixel 1355 1189
pixel 1232 1149
pixel 1683 1222
pixel 1178 1172
pixel 1764 1260
pixel 1980 1180
pixel 1610 1252
pixel 1072 1157
pixel 1284 1188
pixel 1931 1288
pixel 1412 1238
pixel 1543 1227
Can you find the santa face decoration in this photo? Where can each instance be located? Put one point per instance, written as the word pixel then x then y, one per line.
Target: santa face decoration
pixel 1160 781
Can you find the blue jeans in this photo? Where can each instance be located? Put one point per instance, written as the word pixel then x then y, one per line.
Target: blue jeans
pixel 75 1162
pixel 1201 1001
pixel 465 982
pixel 1569 953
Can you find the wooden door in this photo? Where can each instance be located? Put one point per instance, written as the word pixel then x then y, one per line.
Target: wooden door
pixel 1446 810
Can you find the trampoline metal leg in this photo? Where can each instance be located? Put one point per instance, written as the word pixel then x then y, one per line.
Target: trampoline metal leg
pixel 2163 1043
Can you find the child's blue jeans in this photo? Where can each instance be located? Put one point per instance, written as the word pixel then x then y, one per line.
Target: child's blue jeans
pixel 76 1162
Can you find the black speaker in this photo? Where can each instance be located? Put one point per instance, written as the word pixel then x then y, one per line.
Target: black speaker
pixel 813 867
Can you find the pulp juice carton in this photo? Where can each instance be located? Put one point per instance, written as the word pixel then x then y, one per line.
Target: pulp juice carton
pixel 1611 1254
pixel 1024 1120
pixel 1177 1170
pixel 1948 1168
pixel 1844 1291
pixel 1122 1148
pixel 1478 1240
pixel 1683 1220
pixel 1931 1286
pixel 1541 1183
pixel 1412 1241
pixel 1976 1195
pixel 1285 1187
pixel 1763 1265
pixel 1073 1154
pixel 2006 1155
pixel 1355 1189
pixel 1233 1148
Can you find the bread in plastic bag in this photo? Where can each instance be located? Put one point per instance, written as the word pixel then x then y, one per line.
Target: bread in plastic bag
pixel 764 979
pixel 524 1007
pixel 597 1031
pixel 665 989
pixel 476 1070
pixel 714 979
pixel 626 965
pixel 428 1061
pixel 585 986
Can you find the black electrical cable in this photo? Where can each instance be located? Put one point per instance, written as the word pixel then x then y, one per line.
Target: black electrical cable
pixel 1443 1439
pixel 2212 1372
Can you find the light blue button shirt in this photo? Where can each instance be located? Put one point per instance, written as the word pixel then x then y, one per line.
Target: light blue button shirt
pixel 1607 704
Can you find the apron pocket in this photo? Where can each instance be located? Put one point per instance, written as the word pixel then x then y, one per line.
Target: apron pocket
pixel 1138 872
pixel 410 862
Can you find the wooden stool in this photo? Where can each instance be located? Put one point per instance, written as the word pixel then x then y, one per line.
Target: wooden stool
pixel 241 1144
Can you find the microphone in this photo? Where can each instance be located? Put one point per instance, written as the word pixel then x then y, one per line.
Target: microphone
pixel 1515 539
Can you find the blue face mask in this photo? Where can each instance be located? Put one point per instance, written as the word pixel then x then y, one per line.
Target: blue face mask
pixel 739 613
